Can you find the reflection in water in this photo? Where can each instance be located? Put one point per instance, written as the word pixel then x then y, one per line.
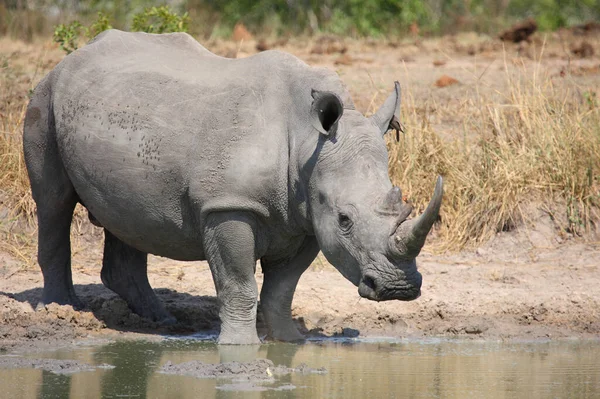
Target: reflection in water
pixel 54 385
pixel 135 361
pixel 356 370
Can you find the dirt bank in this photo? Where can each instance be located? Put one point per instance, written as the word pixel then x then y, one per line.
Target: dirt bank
pixel 520 285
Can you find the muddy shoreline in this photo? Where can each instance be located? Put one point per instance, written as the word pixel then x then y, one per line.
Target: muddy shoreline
pixel 502 291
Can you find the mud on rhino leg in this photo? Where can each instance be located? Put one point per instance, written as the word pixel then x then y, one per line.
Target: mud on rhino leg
pixel 230 248
pixel 277 293
pixel 124 271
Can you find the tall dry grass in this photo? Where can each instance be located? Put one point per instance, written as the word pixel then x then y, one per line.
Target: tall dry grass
pixel 13 175
pixel 541 144
pixel 17 80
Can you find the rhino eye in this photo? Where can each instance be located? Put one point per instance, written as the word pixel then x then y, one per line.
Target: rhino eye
pixel 344 221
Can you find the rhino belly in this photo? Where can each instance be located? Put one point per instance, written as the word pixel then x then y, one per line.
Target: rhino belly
pixel 141 199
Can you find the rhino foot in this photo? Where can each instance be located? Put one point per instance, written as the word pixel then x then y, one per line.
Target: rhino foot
pixel 238 338
pixel 286 334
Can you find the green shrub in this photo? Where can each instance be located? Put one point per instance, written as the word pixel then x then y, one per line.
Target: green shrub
pixel 67 36
pixel 160 20
pixel 100 25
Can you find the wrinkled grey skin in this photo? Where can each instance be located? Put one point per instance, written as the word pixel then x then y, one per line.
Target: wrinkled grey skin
pixel 181 153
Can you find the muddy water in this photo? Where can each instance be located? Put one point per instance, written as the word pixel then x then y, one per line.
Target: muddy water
pixel 355 369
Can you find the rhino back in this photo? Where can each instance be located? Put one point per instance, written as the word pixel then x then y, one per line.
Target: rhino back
pixel 156 131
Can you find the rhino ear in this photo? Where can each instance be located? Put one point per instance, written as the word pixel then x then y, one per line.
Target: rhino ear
pixel 387 116
pixel 325 112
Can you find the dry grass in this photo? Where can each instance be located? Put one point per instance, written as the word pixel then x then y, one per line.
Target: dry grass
pixel 13 175
pixel 20 69
pixel 541 144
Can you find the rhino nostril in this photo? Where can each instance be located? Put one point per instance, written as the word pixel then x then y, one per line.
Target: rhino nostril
pixel 369 282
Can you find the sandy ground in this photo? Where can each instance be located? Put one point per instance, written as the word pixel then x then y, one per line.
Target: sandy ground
pixel 526 284
pixel 521 285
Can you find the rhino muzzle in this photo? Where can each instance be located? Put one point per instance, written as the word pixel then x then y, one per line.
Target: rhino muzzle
pixel 398 278
pixel 382 289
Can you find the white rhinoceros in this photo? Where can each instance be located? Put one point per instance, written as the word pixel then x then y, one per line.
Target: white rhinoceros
pixel 184 154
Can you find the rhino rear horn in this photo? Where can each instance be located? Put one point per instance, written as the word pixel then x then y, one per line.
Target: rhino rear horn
pixel 387 116
pixel 326 110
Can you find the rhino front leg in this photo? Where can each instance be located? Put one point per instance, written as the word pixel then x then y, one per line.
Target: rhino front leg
pixel 230 248
pixel 277 293
pixel 124 271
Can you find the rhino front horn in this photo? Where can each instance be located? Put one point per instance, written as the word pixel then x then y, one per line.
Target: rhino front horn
pixel 410 235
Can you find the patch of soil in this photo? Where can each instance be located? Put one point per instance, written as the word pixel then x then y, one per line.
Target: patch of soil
pixel 47 326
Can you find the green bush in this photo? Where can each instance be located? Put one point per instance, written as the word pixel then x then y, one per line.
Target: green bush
pixel 553 14
pixel 100 25
pixel 343 17
pixel 151 20
pixel 160 20
pixel 358 17
pixel 67 36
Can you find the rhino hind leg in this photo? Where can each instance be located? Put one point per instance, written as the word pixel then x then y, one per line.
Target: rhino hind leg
pixel 55 199
pixel 54 250
pixel 124 271
pixel 279 285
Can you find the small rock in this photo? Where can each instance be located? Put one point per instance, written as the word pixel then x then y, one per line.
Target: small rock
pixel 438 63
pixel 344 59
pixel 584 50
pixel 591 27
pixel 262 45
pixel 329 45
pixel 519 32
pixel 474 329
pixel 350 332
pixel 445 81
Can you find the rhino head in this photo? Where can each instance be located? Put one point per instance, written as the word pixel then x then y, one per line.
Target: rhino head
pixel 360 220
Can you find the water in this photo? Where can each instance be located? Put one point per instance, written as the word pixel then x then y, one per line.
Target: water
pixel 356 369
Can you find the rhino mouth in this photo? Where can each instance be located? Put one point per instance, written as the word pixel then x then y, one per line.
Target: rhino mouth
pixel 377 289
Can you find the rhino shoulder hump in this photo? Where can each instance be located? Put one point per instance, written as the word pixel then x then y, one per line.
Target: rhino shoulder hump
pixel 116 39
